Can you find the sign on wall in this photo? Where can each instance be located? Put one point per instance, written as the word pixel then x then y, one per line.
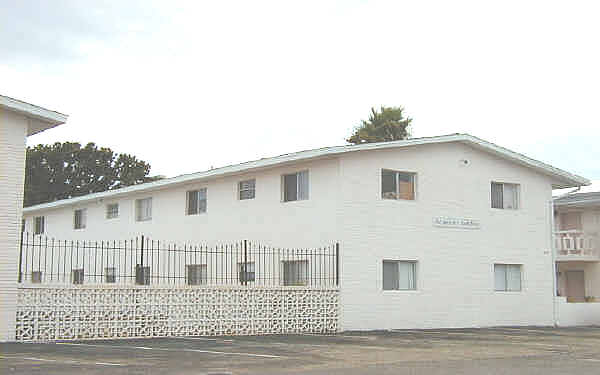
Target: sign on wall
pixel 456 222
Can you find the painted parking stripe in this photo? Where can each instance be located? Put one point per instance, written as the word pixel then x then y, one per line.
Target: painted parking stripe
pixel 173 350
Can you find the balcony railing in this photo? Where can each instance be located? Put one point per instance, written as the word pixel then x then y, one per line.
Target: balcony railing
pixel 576 245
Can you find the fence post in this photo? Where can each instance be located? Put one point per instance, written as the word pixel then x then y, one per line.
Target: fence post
pixel 20 277
pixel 142 276
pixel 337 264
pixel 245 262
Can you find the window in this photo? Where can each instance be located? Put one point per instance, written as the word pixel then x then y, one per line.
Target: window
pixel 249 275
pixel 36 277
pixel 507 277
pixel 196 201
pixel 143 209
pixel 112 210
pixel 397 185
pixel 505 196
pixel 295 272
pixel 247 189
pixel 79 218
pixel 110 275
pixel 295 186
pixel 399 275
pixel 77 276
pixel 196 274
pixel 39 225
pixel 142 274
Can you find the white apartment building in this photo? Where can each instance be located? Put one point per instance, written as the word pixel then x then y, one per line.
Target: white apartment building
pixel 577 242
pixel 448 231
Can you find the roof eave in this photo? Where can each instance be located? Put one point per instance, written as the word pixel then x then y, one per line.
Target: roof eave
pixel 39 119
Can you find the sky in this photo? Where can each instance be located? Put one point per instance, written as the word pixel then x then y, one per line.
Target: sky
pixel 190 85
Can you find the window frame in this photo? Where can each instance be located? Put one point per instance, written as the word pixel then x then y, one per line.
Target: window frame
pixel 110 278
pixel 298 186
pixel 197 193
pixel 415 271
pixel 397 174
pixel 142 274
pixel 138 209
pixel 253 189
pixel 517 191
pixel 36 277
pixel 110 214
pixel 82 219
pixel 506 277
pixel 303 278
pixel 248 272
pixel 39 225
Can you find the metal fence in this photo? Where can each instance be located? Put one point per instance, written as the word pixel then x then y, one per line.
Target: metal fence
pixel 144 261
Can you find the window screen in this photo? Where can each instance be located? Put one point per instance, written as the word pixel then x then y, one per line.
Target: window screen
pixel 196 201
pixel 505 196
pixel 112 210
pixel 249 275
pixel 295 272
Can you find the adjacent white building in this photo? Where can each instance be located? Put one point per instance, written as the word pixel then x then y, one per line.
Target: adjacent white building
pixel 17 121
pixel 448 231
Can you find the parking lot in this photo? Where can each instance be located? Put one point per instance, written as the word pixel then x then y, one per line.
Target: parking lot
pixel 454 351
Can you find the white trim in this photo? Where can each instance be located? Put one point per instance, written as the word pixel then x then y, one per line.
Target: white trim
pixel 44 118
pixel 562 178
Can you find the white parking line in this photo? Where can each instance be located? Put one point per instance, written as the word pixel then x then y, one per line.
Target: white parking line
pixel 172 350
pixel 62 361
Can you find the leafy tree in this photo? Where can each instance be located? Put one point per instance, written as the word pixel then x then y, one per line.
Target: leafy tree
pixel 66 170
pixel 388 124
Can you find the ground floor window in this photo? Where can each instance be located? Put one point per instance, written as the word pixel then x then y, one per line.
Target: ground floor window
pixel 507 277
pixel 77 276
pixel 295 272
pixel 196 274
pixel 110 275
pixel 142 275
pixel 399 275
pixel 36 277
pixel 249 275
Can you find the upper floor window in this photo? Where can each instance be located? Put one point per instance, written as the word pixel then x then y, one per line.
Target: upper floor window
pixel 505 196
pixel 143 209
pixel 247 189
pixel 112 210
pixel 295 186
pixel 39 225
pixel 79 218
pixel 397 185
pixel 507 277
pixel 196 202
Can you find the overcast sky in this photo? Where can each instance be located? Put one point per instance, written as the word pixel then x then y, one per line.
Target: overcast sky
pixel 190 85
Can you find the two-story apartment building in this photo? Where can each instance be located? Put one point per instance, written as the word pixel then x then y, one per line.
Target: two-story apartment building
pixel 448 231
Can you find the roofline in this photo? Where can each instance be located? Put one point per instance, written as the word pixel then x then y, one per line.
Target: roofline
pixel 564 178
pixel 46 117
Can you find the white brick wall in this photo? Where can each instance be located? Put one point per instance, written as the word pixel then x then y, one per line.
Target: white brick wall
pixel 455 270
pixel 12 165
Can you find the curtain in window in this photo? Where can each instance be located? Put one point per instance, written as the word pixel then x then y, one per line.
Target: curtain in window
pixel 497 199
pixel 406 276
pixel 510 196
pixel 303 185
pixel 513 277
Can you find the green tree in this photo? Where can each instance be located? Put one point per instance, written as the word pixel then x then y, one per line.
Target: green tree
pixel 67 170
pixel 388 124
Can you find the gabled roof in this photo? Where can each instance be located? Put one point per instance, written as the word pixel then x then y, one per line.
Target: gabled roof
pixel 578 199
pixel 40 118
pixel 562 178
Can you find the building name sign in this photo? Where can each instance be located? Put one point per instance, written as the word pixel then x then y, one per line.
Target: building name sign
pixel 456 222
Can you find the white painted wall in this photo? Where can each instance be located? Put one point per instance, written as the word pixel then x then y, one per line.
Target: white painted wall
pixel 455 266
pixel 455 269
pixel 13 129
pixel 577 314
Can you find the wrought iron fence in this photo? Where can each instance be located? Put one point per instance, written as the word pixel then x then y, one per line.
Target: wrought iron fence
pixel 144 261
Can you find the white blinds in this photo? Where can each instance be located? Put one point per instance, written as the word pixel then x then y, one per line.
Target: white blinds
pixel 303 185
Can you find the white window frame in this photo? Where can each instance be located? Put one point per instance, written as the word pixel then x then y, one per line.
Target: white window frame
pixel 305 195
pixel 303 272
pixel 198 193
pixel 397 174
pixel 507 267
pixel 138 209
pixel 414 264
pixel 82 220
pixel 517 197
pixel 252 189
pixel 39 225
pixel 110 212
